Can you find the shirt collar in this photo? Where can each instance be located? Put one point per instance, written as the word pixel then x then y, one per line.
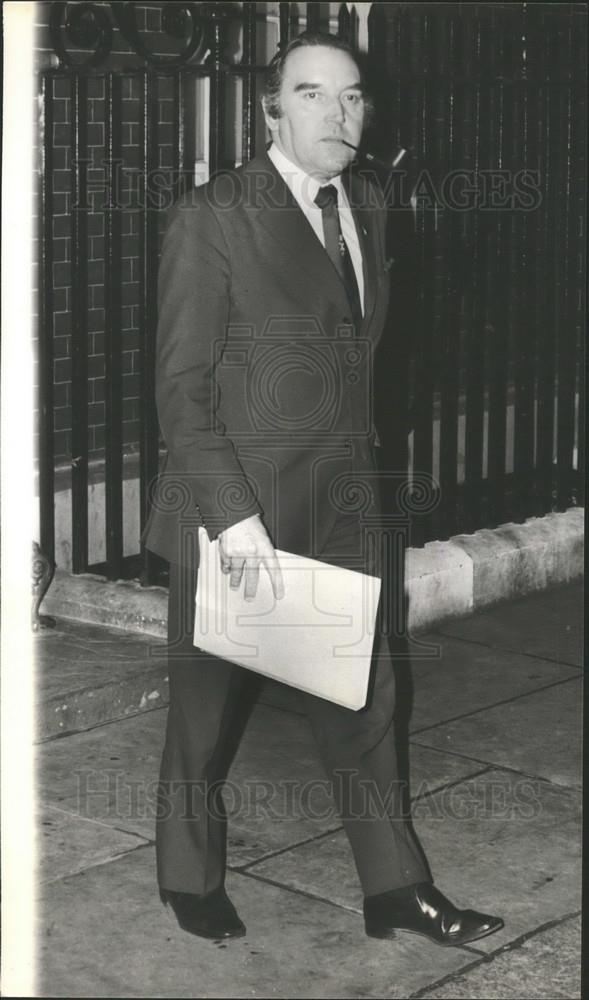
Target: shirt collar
pixel 302 185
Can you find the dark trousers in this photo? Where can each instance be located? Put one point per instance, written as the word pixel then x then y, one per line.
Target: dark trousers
pixel 209 703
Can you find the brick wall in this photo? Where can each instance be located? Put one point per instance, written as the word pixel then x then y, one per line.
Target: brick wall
pixel 148 19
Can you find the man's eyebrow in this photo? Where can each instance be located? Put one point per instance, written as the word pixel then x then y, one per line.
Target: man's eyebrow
pixel 307 86
pixel 318 86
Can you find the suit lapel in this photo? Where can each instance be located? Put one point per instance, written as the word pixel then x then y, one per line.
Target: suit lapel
pixel 279 213
pixel 282 218
pixel 365 228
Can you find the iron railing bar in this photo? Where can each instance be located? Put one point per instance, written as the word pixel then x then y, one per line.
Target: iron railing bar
pixel 347 24
pixel 378 35
pixel 452 255
pixel 313 18
pixel 178 136
pixel 547 346
pixel 567 331
pixel 216 103
pixel 499 344
pixel 46 429
pixel 524 331
pixel 113 484
pixel 248 115
pixel 579 271
pixel 79 330
pixel 476 314
pixel 541 313
pixel 284 24
pixel 149 431
pixel 425 369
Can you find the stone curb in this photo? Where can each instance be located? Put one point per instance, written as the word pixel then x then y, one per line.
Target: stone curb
pixel 120 604
pixel 444 579
pixel 132 693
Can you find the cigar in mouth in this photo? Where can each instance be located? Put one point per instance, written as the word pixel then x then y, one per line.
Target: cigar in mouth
pixel 375 159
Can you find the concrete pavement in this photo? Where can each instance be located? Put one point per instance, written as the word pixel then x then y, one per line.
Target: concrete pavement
pixel 494 757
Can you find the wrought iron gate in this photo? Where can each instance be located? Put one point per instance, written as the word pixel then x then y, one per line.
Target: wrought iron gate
pixel 489 365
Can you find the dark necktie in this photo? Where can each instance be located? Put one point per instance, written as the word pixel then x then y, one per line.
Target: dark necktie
pixel 326 200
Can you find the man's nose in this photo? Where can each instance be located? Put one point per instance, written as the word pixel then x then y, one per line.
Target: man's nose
pixel 336 111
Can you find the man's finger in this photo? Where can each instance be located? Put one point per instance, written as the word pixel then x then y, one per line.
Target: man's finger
pixel 236 572
pixel 252 575
pixel 275 574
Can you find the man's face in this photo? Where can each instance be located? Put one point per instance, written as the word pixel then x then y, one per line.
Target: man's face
pixel 322 103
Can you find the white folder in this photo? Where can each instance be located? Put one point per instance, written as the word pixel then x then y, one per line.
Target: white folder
pixel 318 638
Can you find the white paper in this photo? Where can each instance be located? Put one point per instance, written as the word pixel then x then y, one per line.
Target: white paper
pixel 318 638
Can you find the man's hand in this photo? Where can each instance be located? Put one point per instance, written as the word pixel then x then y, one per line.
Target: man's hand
pixel 246 546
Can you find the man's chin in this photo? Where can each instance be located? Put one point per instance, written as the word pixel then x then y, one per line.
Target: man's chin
pixel 336 157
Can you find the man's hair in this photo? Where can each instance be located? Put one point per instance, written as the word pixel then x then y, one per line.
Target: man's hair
pixel 275 69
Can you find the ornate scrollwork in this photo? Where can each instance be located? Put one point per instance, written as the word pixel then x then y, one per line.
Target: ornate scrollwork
pixel 88 26
pixel 233 497
pixel 419 495
pixel 177 20
pixel 170 494
pixel 350 495
pixel 42 571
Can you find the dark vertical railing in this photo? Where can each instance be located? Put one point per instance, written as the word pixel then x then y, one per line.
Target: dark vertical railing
pixel 79 292
pixel 285 23
pixel 377 37
pixel 451 104
pixel 149 434
pixel 548 252
pixel 217 96
pixel 581 368
pixel 423 401
pixel 178 135
pixel 348 24
pixel 248 113
pixel 500 305
pixel 525 154
pixel 571 133
pixel 482 125
pixel 113 360
pixel 578 268
pixel 46 449
pixel 313 16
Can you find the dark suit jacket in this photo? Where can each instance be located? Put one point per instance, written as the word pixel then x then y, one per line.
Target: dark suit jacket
pixel 263 385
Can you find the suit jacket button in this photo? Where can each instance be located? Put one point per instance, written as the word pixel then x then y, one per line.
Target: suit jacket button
pixel 346 319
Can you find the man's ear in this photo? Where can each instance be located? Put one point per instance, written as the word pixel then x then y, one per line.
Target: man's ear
pixel 270 117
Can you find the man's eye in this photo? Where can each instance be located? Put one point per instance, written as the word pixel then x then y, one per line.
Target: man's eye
pixel 312 94
pixel 353 98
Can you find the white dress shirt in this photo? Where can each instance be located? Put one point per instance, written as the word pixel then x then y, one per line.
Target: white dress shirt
pixel 304 190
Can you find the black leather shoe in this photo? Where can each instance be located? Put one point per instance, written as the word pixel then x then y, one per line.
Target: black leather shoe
pixel 425 910
pixel 211 916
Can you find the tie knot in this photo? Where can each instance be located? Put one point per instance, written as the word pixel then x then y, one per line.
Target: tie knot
pixel 326 196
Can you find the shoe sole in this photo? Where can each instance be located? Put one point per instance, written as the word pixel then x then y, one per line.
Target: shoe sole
pixel 392 934
pixel 208 935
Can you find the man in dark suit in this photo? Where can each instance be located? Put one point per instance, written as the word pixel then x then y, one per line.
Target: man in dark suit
pixel 273 292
